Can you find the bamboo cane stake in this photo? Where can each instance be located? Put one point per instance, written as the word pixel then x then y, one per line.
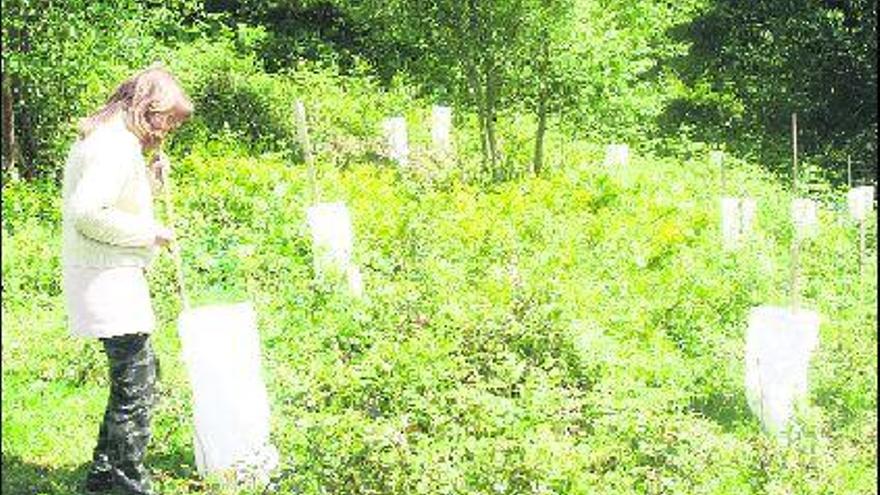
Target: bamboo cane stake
pixel 299 112
pixel 795 246
pixel 174 246
pixel 849 181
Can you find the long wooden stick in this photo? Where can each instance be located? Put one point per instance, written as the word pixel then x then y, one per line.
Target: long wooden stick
pixel 795 245
pixel 861 250
pixel 794 167
pixel 795 289
pixel 174 246
pixel 849 171
pixel 299 112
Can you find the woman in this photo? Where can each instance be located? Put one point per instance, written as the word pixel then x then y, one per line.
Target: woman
pixel 109 238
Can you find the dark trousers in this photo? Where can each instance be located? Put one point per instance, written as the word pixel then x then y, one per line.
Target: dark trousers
pixel 125 430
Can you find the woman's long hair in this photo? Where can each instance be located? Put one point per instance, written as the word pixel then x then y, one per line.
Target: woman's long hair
pixel 152 103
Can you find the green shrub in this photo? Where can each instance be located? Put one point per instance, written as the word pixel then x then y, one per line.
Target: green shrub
pixel 580 332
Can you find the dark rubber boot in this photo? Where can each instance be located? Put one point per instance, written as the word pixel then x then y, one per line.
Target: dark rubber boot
pixel 99 482
pixel 132 480
pixel 125 431
pixel 100 477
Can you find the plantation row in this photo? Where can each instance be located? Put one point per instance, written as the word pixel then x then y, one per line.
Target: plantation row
pixel 579 332
pixel 445 247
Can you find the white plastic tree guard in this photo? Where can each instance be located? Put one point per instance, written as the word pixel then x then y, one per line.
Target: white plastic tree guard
pixel 355 281
pixel 730 223
pixel 221 351
pixel 441 127
pixel 616 155
pixel 396 139
pixel 333 240
pixel 779 344
pixel 748 208
pixel 716 157
pixel 330 224
pixel 860 201
pixel 805 218
pixel 737 220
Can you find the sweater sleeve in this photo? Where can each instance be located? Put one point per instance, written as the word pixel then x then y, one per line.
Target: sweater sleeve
pixel 93 204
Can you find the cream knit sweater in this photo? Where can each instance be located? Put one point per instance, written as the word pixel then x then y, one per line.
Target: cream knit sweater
pixel 107 210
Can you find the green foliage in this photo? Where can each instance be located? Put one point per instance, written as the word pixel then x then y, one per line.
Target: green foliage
pixel 576 332
pixel 620 71
pixel 814 58
pixel 573 333
pixel 232 93
pixel 61 59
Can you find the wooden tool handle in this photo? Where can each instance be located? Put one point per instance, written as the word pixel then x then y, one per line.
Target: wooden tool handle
pixel 173 245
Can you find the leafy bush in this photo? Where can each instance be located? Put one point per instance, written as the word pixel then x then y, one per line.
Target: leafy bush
pixel 577 332
pixel 63 59
pixel 566 334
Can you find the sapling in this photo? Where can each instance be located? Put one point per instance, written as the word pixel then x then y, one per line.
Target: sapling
pixel 616 155
pixel 302 133
pixel 730 222
pixel 779 344
pixel 329 223
pixel 780 340
pixel 737 220
pixel 333 241
pixel 441 126
pixel 748 211
pixel 860 201
pixel 716 157
pixel 221 349
pixel 396 139
pixel 804 216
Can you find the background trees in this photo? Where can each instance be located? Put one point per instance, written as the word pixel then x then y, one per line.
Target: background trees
pixel 751 64
pixel 576 332
pixel 719 71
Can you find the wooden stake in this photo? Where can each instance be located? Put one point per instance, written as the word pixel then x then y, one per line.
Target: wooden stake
pixel 795 245
pixel 299 113
pixel 794 167
pixel 849 171
pixel 559 128
pixel 795 289
pixel 174 245
pixel 861 250
pixel 10 146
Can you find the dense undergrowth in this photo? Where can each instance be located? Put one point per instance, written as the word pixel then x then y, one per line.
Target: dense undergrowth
pixel 577 332
pixel 580 332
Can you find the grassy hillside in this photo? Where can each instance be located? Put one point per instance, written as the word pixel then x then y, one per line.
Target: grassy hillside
pixel 581 332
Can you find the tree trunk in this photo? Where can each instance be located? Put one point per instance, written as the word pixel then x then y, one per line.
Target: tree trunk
pixel 477 91
pixel 26 145
pixel 475 44
pixel 543 75
pixel 491 92
pixel 8 133
pixel 538 161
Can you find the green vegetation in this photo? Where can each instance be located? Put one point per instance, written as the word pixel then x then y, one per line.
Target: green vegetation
pixel 576 330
